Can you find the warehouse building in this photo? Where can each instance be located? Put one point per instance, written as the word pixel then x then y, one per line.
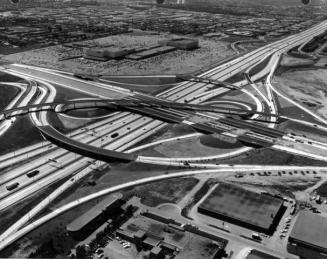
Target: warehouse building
pixel 181 43
pixel 83 226
pixel 239 206
pixel 104 54
pixel 308 238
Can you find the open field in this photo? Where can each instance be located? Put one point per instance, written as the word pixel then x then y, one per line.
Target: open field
pixel 289 61
pixel 178 61
pixel 287 183
pixel 192 147
pixel 308 87
pixel 168 191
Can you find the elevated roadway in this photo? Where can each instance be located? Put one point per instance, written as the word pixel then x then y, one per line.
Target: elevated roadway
pixel 141 127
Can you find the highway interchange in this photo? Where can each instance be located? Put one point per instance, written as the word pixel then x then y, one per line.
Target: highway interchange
pixel 121 131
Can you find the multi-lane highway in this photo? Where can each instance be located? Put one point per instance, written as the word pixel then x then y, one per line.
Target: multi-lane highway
pixel 122 130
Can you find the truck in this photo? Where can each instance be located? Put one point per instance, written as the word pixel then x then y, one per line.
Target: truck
pixel 12 186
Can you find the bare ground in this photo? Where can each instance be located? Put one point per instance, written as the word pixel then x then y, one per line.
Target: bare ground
pixel 308 87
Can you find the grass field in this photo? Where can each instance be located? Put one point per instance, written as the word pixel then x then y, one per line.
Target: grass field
pixel 16 136
pixel 168 191
pixel 7 93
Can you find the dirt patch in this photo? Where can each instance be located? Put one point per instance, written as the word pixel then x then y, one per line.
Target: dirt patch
pixel 289 61
pixel 307 87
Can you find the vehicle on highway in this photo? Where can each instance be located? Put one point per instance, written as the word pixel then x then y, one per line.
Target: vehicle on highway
pixel 256 236
pixel 84 76
pixel 12 186
pixel 115 135
pixel 32 173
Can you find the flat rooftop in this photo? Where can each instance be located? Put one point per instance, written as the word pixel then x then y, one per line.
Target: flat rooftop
pixel 310 229
pixel 92 213
pixel 255 254
pixel 242 205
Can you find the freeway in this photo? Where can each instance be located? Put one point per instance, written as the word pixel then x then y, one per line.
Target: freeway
pixel 157 127
pixel 137 127
pixel 126 104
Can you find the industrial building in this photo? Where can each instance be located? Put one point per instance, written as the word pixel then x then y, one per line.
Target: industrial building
pixel 104 54
pixel 308 238
pixel 248 209
pixel 181 43
pixel 83 226
pixel 161 239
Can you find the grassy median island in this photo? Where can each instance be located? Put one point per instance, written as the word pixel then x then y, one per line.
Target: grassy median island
pixel 4 77
pixel 216 142
pixel 7 94
pixel 15 138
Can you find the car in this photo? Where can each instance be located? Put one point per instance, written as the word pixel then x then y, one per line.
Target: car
pixel 99 251
pixel 32 173
pixel 12 186
pixel 115 135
